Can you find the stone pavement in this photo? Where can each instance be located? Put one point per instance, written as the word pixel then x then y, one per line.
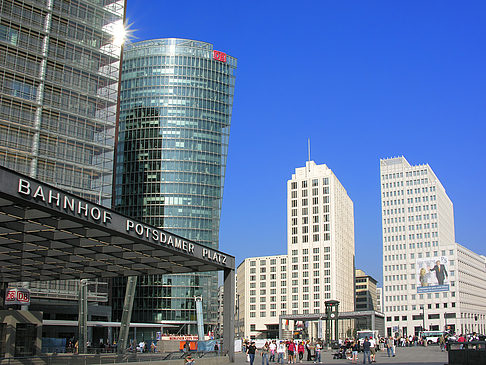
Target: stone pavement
pixel 430 355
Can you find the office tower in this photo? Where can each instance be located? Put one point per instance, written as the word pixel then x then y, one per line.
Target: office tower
pixel 59 63
pixel 318 266
pixel 320 239
pixel 366 292
pixel 427 277
pixel 175 115
pixel 366 298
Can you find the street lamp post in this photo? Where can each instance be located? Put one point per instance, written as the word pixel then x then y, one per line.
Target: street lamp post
pixel 238 313
pixel 423 316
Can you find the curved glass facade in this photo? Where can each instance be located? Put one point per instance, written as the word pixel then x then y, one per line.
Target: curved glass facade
pixel 175 115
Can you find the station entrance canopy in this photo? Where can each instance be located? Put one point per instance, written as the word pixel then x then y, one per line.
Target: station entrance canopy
pixel 48 234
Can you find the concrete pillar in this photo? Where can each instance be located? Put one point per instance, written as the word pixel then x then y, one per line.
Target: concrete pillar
pixel 126 314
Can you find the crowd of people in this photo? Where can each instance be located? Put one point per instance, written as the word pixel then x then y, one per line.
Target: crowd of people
pixel 289 351
pixel 293 351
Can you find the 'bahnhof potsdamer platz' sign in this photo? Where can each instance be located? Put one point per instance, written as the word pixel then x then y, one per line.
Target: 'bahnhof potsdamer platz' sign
pixel 49 234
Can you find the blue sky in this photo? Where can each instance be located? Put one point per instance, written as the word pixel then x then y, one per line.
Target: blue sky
pixel 363 80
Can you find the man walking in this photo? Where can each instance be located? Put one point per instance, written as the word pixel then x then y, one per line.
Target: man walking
pixel 372 349
pixel 390 346
pixel 366 350
pixel 280 352
pixel 318 353
pixel 251 350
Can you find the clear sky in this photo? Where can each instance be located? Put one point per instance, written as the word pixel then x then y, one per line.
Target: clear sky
pixel 363 80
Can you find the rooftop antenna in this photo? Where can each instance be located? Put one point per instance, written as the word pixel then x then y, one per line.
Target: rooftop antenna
pixel 308 149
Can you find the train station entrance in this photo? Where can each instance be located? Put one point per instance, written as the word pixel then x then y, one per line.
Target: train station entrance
pixel 48 234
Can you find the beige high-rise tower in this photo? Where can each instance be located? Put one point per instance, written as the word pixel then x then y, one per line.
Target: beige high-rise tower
pixel 320 240
pixel 429 281
pixel 319 265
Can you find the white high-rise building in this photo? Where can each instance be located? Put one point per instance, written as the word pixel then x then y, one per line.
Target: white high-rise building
pixel 319 264
pixel 429 281
pixel 320 240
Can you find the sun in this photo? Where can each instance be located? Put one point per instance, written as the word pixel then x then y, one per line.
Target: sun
pixel 122 33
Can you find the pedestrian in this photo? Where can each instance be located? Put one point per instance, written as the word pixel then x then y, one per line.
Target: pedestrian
pixel 317 358
pixel 265 351
pixel 355 349
pixel 291 351
pixel 390 348
pixel 188 360
pixel 366 350
pixel 280 352
pixel 372 349
pixel 273 350
pixel 251 351
pixel 308 348
pixel 442 342
pixel 300 350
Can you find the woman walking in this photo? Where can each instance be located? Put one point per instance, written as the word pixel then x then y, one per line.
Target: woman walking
pixel 265 350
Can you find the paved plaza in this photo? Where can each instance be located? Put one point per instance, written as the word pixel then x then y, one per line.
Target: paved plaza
pixel 430 355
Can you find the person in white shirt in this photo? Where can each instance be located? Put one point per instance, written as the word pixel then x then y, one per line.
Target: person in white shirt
pixel 272 348
pixel 318 353
pixel 280 352
pixel 372 349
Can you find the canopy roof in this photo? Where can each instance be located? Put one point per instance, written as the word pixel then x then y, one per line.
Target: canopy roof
pixel 48 234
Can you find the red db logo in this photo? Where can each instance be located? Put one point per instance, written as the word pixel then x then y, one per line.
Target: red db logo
pixel 219 56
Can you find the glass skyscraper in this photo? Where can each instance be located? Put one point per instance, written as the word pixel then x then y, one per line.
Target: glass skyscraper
pixel 175 114
pixel 59 73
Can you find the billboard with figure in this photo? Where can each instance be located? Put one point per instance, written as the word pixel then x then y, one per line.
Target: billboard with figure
pixel 432 274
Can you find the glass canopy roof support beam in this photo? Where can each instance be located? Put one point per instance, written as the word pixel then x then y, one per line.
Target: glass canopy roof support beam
pixel 229 314
pixel 126 314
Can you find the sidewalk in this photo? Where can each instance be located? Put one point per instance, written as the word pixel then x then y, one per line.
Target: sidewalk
pixel 405 355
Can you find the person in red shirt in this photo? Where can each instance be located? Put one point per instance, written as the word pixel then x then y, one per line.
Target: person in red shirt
pixel 301 350
pixel 291 351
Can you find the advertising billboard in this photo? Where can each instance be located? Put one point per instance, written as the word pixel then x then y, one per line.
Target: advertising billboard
pixel 432 274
